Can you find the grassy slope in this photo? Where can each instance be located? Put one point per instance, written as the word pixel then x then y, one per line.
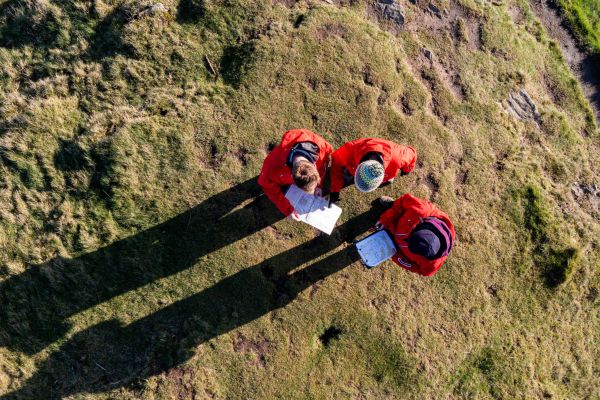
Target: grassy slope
pixel 110 127
pixel 584 18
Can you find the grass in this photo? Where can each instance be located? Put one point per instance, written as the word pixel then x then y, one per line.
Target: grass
pixel 584 20
pixel 138 261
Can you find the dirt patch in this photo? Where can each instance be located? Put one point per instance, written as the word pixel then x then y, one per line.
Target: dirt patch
pixel 331 30
pixel 242 154
pixel 286 3
pixel 314 289
pixel 181 379
pixel 516 13
pixel 451 79
pixel 277 234
pixel 312 84
pixel 367 76
pixel 500 163
pixel 584 66
pixel 403 105
pixel 462 177
pixel 433 184
pixel 463 24
pixel 553 88
pixel 592 295
pixel 493 290
pixel 260 349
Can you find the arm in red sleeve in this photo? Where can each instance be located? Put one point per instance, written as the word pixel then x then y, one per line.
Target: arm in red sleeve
pixel 273 192
pixel 388 219
pixel 408 156
pixel 339 159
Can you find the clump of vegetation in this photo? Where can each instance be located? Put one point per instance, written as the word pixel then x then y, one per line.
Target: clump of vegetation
pixel 491 372
pixel 556 259
pixel 36 22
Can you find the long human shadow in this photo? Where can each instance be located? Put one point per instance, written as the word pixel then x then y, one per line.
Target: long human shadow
pixel 35 304
pixel 110 355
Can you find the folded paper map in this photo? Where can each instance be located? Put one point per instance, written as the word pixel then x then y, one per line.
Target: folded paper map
pixel 314 210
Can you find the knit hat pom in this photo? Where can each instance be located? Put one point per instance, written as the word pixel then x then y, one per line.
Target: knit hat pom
pixel 369 175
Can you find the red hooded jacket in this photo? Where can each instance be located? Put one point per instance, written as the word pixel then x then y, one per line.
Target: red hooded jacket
pixel 400 220
pixel 395 158
pixel 276 173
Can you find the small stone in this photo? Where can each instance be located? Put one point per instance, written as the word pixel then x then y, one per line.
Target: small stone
pixel 434 10
pixel 428 54
pixel 153 10
pixel 391 11
pixel 577 190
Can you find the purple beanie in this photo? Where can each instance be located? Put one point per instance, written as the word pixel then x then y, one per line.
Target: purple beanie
pixel 425 243
pixel 429 237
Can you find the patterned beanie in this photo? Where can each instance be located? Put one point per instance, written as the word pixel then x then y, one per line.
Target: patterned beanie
pixel 368 176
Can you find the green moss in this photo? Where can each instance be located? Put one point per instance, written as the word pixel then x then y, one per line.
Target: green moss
pixel 536 215
pixel 492 372
pixel 556 260
pixel 584 18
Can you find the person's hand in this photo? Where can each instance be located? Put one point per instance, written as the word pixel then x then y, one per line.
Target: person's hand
pixel 294 216
pixel 378 226
pixel 318 192
pixel 334 197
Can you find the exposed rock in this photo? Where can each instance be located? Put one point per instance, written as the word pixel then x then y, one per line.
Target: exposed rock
pixel 522 107
pixel 428 54
pixel 153 10
pixel 581 189
pixel 390 10
pixel 435 10
pixel 586 193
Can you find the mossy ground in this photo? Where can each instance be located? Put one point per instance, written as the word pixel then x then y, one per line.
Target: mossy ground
pixel 584 20
pixel 138 262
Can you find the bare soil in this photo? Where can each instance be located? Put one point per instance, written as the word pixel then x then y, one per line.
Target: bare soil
pixel 584 65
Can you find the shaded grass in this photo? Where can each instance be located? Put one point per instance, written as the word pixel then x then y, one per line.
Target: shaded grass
pixel 556 259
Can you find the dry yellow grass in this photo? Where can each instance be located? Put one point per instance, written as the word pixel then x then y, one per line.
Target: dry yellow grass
pixel 138 261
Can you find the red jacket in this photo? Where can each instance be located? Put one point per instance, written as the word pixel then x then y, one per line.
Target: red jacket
pixel 276 173
pixel 400 220
pixel 395 158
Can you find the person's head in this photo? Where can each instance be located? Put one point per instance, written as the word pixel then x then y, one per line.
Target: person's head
pixel 305 175
pixel 369 175
pixel 430 239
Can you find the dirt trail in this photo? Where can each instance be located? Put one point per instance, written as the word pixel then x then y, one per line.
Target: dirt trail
pixel 585 66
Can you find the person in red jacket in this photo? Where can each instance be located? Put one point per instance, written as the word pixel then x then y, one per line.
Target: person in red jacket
pixel 423 234
pixel 301 158
pixel 369 163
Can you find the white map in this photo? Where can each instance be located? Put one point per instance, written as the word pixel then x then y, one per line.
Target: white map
pixel 314 210
pixel 376 248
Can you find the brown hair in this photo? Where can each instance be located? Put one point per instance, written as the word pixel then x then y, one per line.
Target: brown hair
pixel 305 176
